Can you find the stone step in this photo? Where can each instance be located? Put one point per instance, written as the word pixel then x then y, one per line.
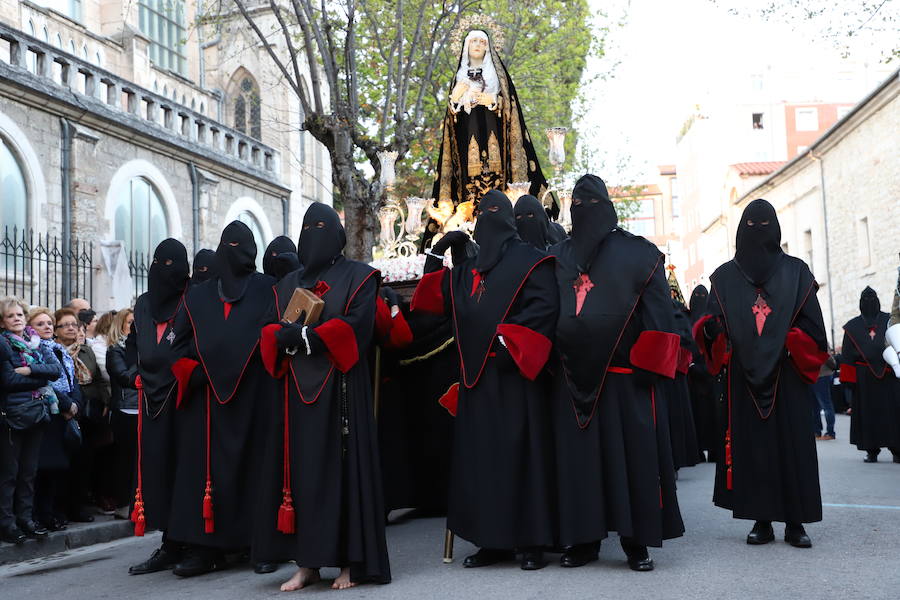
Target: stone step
pixel 77 535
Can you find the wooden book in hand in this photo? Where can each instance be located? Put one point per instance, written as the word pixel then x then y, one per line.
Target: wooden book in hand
pixel 302 301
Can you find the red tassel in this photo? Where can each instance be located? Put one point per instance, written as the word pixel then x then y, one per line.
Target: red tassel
pixel 137 513
pixel 207 501
pixel 209 526
pixel 208 518
pixel 728 453
pixel 728 480
pixel 137 516
pixel 286 521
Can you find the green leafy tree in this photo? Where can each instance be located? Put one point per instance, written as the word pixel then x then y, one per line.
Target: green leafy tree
pixel 373 75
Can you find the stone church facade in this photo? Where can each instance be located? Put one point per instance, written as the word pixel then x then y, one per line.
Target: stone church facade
pixel 123 123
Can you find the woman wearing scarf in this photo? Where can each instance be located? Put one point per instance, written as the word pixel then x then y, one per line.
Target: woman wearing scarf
pixel 54 461
pixel 24 414
pixel 121 364
pixel 504 307
pixel 92 413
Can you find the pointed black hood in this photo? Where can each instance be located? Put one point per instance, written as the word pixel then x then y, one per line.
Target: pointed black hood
pixel 698 302
pixel 532 222
pixel 167 279
pixel 321 242
pixel 235 261
pixel 869 304
pixel 593 218
pixel 280 257
pixel 204 266
pixel 494 229
pixel 758 246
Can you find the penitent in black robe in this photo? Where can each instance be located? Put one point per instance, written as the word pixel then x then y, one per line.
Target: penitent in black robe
pixel 332 480
pixel 156 355
pixel 773 345
pixel 614 346
pixel 875 421
pixel 685 451
pixel 501 477
pixel 216 413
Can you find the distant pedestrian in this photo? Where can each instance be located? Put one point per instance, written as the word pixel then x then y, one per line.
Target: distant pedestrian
pixel 821 398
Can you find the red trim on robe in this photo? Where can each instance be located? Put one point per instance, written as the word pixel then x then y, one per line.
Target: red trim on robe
pixel 805 354
pixel 273 359
pixel 450 399
pixel 340 340
pixel 401 334
pixel 684 360
pixel 429 295
pixel 160 330
pixel 848 373
pixel 182 370
pixel 382 318
pixel 527 347
pixel 227 309
pixel 657 352
pixel 716 353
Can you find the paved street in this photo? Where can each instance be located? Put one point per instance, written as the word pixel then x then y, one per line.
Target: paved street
pixel 855 555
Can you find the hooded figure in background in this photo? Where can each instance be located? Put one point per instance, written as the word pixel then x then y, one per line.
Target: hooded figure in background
pixel 704 389
pixel 532 222
pixel 155 313
pixel 764 324
pixel 875 421
pixel 503 309
pixel 204 266
pixel 280 257
pixel 685 451
pixel 220 379
pixel 615 344
pixel 335 519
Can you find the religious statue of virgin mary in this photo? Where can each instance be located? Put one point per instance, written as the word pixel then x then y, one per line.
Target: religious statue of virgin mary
pixel 485 143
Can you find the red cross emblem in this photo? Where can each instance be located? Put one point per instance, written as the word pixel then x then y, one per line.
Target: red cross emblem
pixel 582 285
pixel 762 310
pixel 872 332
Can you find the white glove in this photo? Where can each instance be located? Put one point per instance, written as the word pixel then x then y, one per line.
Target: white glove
pixel 892 336
pixel 891 358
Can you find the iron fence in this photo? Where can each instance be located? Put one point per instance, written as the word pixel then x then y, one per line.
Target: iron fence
pixel 40 271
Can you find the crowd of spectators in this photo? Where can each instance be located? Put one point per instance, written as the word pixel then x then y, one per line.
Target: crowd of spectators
pixel 68 414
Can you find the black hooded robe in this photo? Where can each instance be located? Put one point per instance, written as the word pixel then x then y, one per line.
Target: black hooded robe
pixel 765 325
pixel 704 388
pixel 685 451
pixel 332 480
pixel 501 477
pixel 221 381
pixel 155 314
pixel 875 420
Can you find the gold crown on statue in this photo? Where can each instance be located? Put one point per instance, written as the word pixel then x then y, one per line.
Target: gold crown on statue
pixel 480 22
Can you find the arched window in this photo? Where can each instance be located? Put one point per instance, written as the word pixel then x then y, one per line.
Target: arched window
pixel 140 219
pixel 246 107
pixel 249 219
pixel 13 190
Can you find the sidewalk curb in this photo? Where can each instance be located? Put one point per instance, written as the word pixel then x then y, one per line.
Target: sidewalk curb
pixel 77 536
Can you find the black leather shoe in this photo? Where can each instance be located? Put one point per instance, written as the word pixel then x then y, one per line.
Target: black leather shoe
pixel 871 457
pixel 162 559
pixel 795 535
pixel 198 561
pixel 261 568
pixel 533 559
pixel 578 555
pixel 33 530
pixel 13 535
pixel 638 557
pixel 761 533
pixel 488 556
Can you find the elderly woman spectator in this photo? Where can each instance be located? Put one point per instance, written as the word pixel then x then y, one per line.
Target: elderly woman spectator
pixel 54 460
pixel 121 363
pixel 94 409
pixel 25 411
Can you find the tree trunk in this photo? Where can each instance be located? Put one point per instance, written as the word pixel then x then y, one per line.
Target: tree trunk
pixel 359 198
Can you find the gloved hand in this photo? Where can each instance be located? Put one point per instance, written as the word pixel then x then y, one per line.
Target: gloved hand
pixel 456 241
pixel 390 296
pixel 713 327
pixel 291 335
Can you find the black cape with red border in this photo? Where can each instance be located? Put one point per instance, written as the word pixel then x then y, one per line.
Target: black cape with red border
pixel 501 478
pixel 337 499
pixel 768 468
pixel 225 394
pixel 156 355
pixel 613 450
pixel 875 420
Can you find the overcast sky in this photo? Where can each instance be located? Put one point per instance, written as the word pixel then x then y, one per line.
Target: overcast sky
pixel 670 55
